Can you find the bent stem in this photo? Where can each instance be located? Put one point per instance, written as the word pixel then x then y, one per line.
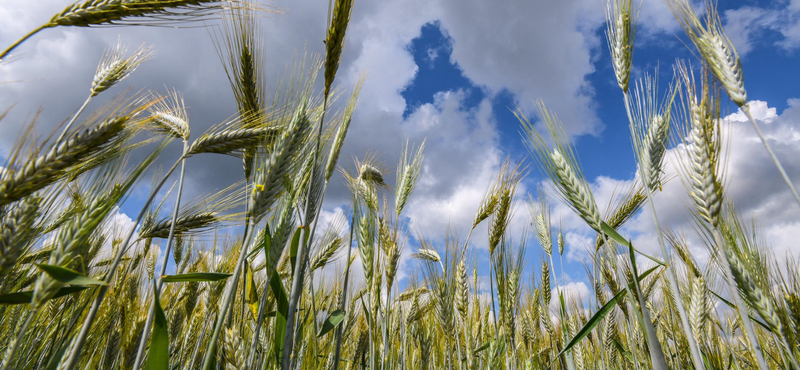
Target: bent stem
pixel 344 294
pixel 21 40
pixel 306 237
pixel 211 353
pixel 74 117
pixel 149 323
pixel 746 110
pixel 75 352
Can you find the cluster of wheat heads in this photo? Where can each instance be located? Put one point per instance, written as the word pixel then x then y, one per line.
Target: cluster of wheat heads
pixel 244 289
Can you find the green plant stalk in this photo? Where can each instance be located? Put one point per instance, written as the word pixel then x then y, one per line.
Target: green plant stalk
pixel 149 322
pixel 262 310
pixel 746 110
pixel 337 353
pixel 72 120
pixel 458 341
pixel 75 352
pixel 21 40
pixel 227 300
pixel 297 281
pixel 656 352
pixel 466 243
pixel 197 346
pixel 672 279
pixel 657 360
pixel 740 305
pixel 262 306
pixel 491 287
pixel 570 361
pixel 386 326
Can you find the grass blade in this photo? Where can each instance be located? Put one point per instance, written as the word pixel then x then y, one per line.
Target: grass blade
pixel 68 276
pixel 26 296
pixel 195 277
pixel 335 318
pixel 158 359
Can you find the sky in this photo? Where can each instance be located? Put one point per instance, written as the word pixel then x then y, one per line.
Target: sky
pixel 450 72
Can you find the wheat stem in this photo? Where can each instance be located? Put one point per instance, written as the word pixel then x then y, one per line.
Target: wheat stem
pixel 491 286
pixel 72 120
pixel 23 38
pixel 297 281
pixel 150 316
pixel 77 345
pixel 342 306
pixel 209 357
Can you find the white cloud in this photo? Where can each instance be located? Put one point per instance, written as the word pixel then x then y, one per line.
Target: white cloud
pixel 573 291
pixel 534 49
pixel 746 25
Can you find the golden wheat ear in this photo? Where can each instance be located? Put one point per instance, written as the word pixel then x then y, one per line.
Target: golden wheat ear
pixel 90 13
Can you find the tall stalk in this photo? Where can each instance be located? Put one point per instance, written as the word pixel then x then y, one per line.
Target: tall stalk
pixel 80 340
pixel 343 303
pixel 210 357
pixel 74 117
pixel 150 316
pixel 299 267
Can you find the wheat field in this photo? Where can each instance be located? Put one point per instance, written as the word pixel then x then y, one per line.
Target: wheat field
pixel 246 281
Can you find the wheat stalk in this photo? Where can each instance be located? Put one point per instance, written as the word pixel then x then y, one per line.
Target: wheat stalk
pixel 39 172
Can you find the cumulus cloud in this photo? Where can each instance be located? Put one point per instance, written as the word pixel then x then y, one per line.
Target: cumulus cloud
pixel 573 292
pixel 746 26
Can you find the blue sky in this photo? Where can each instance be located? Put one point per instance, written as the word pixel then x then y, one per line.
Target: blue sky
pixel 448 71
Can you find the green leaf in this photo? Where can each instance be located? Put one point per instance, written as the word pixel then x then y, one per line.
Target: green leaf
pixel 599 315
pixel 279 292
pixel 625 354
pixel 195 277
pixel 266 244
pixel 483 347
pixel 68 276
pixel 333 320
pixel 615 236
pixel 158 357
pixel 27 296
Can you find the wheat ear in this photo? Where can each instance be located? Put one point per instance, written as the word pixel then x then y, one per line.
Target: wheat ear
pixel 88 13
pixel 718 52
